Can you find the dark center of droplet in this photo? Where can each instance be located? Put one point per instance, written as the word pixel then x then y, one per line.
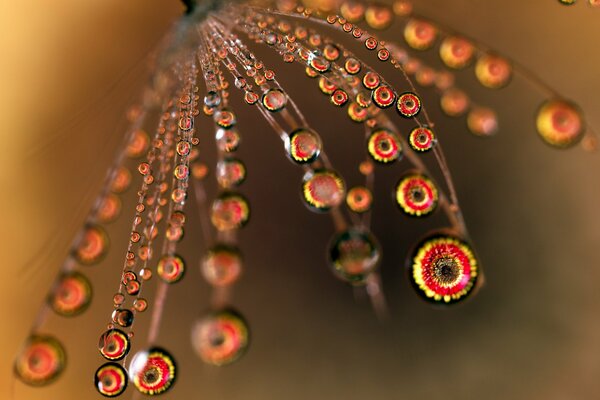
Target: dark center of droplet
pixel 422 138
pixel 409 103
pixel 385 145
pixel 446 271
pixel 417 194
pixel 107 381
pixel 151 375
pixel 217 340
pixel 111 347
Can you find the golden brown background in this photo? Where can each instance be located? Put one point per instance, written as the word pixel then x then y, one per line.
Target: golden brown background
pixel 70 68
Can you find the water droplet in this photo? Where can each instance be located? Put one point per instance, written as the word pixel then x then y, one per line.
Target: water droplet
pixel 122 317
pixel 456 52
pixel 421 139
pixel 384 146
pixel 121 180
pixel 352 66
pixel 170 268
pixel 420 34
pixel 493 71
pixel 378 16
pixel 383 96
pixel 353 255
pixel 221 338
pixel 41 360
pixel 109 209
pixel 93 245
pixel 359 199
pixel 339 98
pixel 225 118
pixel 114 344
pixel 560 123
pixel 444 269
pixel 323 190
pixel 230 211
pixel 140 305
pixel 274 100
pixel 152 371
pixel 222 265
pixel 303 145
pixel 230 172
pixel 408 105
pixel 454 102
pixel 72 295
pixel 228 140
pixel 482 121
pixel 416 195
pixel 357 113
pixel 110 380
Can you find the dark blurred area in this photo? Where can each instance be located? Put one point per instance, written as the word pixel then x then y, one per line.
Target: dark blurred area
pixel 71 69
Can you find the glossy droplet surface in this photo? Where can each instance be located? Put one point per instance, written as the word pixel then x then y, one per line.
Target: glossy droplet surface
pixel 420 34
pixel 493 71
pixel 152 371
pixel 353 255
pixel 230 172
pixel 222 265
pixel 274 100
pixel 384 146
pixel 114 344
pixel 123 317
pixel 228 140
pixel 444 269
pixel 408 105
pixel 359 199
pixel 323 190
pixel 482 121
pixel 421 139
pixel 41 360
pixel 170 268
pixel 560 123
pixel 454 102
pixel 230 211
pixel 221 338
pixel 303 145
pixel 383 96
pixel 138 144
pixel 93 245
pixel 110 379
pixel 456 52
pixel 72 295
pixel 416 195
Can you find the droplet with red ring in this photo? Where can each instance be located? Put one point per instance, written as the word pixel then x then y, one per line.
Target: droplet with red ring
pixel 152 371
pixel 170 268
pixel 421 139
pixel 408 105
pixel 383 96
pixel 416 195
pixel 110 379
pixel 114 344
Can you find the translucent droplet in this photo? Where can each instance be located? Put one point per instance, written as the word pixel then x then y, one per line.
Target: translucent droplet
pixel 225 118
pixel 222 265
pixel 122 317
pixel 421 139
pixel 181 172
pixel 339 98
pixel 371 80
pixel 251 98
pixel 72 295
pixel 456 52
pixel 408 105
pixel 493 71
pixel 110 380
pixel 138 144
pixel 383 54
pixel 109 209
pixel 482 121
pixel 359 199
pixel 170 268
pixel 383 96
pixel 352 10
pixel 303 145
pixel 274 100
pixel 420 34
pixel 221 338
pixel 230 211
pixel 152 371
pixel 132 287
pixel 114 344
pixel 319 64
pixel 353 255
pixel 41 360
pixel 416 195
pixel 378 16
pixel 454 102
pixel 371 43
pixel 331 52
pixel 352 66
pixel 118 299
pixel 121 180
pixel 228 140
pixel 140 305
pixel 326 86
pixel 93 245
pixel 212 99
pixel 560 123
pixel 402 8
pixel 444 269
pixel 323 190
pixel 384 146
pixel 357 113
pixel 230 172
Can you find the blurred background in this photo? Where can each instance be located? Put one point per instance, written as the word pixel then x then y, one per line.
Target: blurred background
pixel 70 70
